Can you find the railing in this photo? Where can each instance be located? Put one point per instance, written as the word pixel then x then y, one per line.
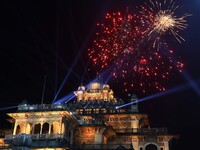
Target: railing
pixel 102 146
pixel 142 130
pixel 37 136
pixel 26 107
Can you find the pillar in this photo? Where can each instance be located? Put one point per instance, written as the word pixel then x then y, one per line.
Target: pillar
pixel 135 145
pixel 60 125
pixel 98 136
pixel 71 136
pixel 166 145
pixel 134 124
pixel 33 128
pixel 15 128
pixel 50 128
pixel 41 128
pixel 25 127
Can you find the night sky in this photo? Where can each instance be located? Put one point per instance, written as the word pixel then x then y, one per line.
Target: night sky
pixel 51 38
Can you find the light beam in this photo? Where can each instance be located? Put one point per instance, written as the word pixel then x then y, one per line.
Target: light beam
pixel 173 90
pixel 71 95
pixel 5 108
pixel 192 83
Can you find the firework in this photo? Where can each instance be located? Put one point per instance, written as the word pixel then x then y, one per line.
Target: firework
pixel 124 42
pixel 149 71
pixel 160 19
pixel 117 37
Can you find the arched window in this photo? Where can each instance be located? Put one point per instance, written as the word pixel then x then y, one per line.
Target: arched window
pixel 18 129
pixel 45 128
pixel 151 147
pixel 143 122
pixel 37 128
pixel 77 133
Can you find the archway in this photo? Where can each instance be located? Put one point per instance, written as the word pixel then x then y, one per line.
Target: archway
pixel 37 128
pixel 144 123
pixel 151 147
pixel 55 127
pixel 18 129
pixel 45 128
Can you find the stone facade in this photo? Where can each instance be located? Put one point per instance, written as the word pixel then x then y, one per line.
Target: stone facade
pixel 93 120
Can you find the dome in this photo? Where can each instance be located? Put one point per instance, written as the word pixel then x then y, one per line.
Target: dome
pixel 81 88
pixel 106 87
pixel 94 86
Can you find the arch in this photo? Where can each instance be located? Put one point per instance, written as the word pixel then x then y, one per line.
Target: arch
pixel 18 129
pixel 77 133
pixel 151 146
pixel 45 128
pixel 37 128
pixel 144 123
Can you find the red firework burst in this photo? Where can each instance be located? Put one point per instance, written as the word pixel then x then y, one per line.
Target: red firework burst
pixel 118 36
pixel 137 65
pixel 147 72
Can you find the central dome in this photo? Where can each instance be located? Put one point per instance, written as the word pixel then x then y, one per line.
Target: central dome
pixel 94 86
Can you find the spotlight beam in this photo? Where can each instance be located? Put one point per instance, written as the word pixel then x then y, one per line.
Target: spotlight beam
pixel 170 91
pixel 84 44
pixel 66 77
pixel 71 95
pixel 192 83
pixel 65 98
pixel 5 108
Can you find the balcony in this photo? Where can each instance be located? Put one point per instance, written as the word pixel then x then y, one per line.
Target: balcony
pixel 141 131
pixel 37 136
pixel 41 141
pixel 43 107
pixel 102 146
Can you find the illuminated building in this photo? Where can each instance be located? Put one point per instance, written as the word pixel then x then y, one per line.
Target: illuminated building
pixel 91 121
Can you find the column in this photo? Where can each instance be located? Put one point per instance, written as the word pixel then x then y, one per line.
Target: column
pixel 50 128
pixel 33 128
pixel 134 124
pixel 15 128
pixel 41 128
pixel 71 137
pixel 60 125
pixel 25 127
pixel 166 144
pixel 98 136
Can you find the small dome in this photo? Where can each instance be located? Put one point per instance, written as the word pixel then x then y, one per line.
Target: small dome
pixel 106 87
pixel 94 86
pixel 81 88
